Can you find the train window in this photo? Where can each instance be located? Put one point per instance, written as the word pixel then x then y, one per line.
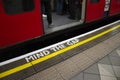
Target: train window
pixel 94 1
pixel 118 0
pixel 28 5
pixel 18 6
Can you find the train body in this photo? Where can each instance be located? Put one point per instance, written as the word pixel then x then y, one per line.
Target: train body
pixel 21 20
pixel 28 44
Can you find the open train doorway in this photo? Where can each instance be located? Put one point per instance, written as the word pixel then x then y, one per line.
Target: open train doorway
pixel 61 14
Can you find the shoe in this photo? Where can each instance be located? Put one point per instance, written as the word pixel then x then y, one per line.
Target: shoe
pixel 60 13
pixel 44 15
pixel 50 25
pixel 72 18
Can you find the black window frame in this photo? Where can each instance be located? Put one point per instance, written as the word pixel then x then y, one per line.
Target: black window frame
pixel 94 1
pixel 18 6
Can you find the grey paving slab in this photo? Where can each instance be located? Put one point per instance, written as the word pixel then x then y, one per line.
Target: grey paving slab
pixel 113 39
pixel 114 54
pixel 105 60
pixel 118 48
pixel 108 78
pixel 78 77
pixel 82 61
pixel 118 78
pixel 106 70
pixel 111 44
pixel 67 69
pixel 31 78
pixel 92 69
pixel 110 47
pixel 48 63
pixel 97 52
pixel 48 74
pixel 115 61
pixel 118 52
pixel 116 70
pixel 91 77
pixel 116 38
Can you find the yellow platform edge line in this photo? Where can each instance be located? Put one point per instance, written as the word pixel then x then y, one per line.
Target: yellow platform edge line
pixel 27 65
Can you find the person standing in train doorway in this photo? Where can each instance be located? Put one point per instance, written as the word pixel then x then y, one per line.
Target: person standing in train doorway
pixel 71 4
pixel 46 9
pixel 75 9
pixel 78 9
pixel 59 7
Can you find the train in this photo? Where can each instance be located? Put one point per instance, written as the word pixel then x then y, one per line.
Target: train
pixel 22 20
pixel 26 37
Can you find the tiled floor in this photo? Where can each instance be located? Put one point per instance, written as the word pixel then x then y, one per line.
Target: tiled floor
pixel 107 68
pixel 91 64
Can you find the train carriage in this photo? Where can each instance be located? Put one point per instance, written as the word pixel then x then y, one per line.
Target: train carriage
pixel 27 41
pixel 22 20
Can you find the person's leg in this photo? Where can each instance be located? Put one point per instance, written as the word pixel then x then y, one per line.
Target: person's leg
pixel 71 9
pixel 59 4
pixel 42 6
pixel 79 10
pixel 48 11
pixel 65 7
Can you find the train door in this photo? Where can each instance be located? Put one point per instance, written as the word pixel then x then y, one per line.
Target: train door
pixel 61 14
pixel 20 20
pixel 115 7
pixel 95 10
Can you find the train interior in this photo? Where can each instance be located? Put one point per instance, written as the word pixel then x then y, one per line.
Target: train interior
pixel 62 12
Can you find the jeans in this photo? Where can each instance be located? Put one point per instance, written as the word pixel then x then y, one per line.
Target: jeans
pixel 47 6
pixel 59 6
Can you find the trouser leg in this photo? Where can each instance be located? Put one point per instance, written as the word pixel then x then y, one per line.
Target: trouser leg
pixel 48 11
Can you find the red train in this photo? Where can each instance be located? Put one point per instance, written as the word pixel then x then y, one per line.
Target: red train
pixel 20 22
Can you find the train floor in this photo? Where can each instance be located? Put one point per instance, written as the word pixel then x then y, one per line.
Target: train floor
pixel 98 59
pixel 59 22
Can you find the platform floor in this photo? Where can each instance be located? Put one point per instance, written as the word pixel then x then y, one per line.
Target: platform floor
pixel 98 62
pixel 108 68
